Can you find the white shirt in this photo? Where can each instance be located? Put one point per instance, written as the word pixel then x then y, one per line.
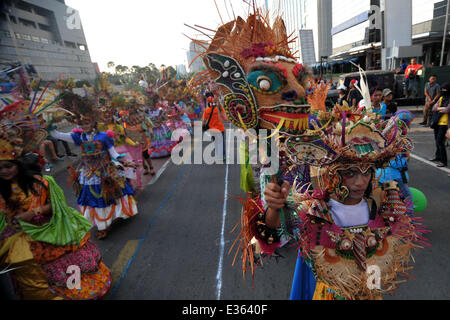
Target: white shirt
pixel 349 215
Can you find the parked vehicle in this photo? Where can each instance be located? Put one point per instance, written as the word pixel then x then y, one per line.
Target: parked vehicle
pixel 376 79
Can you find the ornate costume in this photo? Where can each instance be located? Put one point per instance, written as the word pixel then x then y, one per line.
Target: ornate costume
pixel 264 88
pixel 103 192
pixel 161 145
pixel 346 244
pixel 39 252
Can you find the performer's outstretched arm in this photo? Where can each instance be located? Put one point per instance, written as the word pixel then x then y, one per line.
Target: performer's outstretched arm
pixel 62 136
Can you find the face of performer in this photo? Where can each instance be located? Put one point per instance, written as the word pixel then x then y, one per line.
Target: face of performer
pixel 88 126
pixel 357 183
pixel 8 170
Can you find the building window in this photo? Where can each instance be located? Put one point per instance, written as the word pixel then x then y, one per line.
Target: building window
pixel 69 44
pixel 5 34
pixel 18 36
pixel 43 40
pixel 26 36
pixel 44 27
pixel 23 6
pixel 27 23
pixel 13 19
pixel 82 47
pixel 42 12
pixel 35 39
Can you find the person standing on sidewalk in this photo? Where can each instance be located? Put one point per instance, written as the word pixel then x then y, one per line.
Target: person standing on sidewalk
pixel 441 111
pixel 432 94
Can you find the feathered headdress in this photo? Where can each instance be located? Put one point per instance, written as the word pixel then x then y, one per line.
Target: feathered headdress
pixel 20 132
pixel 347 135
pixel 82 108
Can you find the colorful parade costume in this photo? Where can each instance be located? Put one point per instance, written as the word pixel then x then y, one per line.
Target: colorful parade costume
pixel 39 253
pixel 122 142
pixel 161 145
pixel 263 83
pixel 346 244
pixel 264 88
pixel 176 121
pixel 103 192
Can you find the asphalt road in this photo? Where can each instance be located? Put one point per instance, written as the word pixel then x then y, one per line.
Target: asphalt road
pixel 177 246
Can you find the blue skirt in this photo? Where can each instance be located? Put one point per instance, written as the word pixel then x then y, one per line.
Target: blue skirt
pixel 304 283
pixel 86 198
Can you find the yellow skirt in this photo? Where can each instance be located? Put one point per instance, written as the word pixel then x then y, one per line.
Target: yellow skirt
pixel 31 280
pixel 322 292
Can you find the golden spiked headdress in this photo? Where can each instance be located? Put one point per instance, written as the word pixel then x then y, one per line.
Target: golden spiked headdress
pixel 20 132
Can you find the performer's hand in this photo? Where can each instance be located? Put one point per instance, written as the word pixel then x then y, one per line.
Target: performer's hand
pixel 276 195
pixel 25 216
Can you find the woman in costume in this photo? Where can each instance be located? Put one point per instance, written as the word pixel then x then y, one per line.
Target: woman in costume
pixel 348 228
pixel 122 143
pixel 161 145
pixel 41 237
pixel 104 193
pixel 139 128
pixel 173 93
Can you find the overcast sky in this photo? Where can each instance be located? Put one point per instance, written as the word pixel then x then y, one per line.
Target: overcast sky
pixel 139 32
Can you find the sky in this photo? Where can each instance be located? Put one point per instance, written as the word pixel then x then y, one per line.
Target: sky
pixel 139 32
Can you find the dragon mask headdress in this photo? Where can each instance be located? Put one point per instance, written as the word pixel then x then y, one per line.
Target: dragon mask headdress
pixel 264 85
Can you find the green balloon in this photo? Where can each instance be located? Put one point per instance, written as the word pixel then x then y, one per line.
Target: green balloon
pixel 419 200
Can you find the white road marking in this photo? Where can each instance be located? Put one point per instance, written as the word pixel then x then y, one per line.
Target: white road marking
pixel 416 157
pixel 222 233
pixel 160 172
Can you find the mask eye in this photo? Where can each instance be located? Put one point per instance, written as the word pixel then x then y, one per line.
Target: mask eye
pixel 349 173
pixel 264 83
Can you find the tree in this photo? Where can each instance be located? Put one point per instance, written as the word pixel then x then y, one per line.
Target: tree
pixel 111 65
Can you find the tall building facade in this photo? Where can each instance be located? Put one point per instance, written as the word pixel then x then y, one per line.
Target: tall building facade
pixel 46 34
pixel 195 63
pixel 356 32
pixel 310 21
pixel 428 20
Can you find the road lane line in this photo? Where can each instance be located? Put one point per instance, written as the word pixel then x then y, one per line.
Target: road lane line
pixel 418 158
pixel 222 232
pixel 160 172
pixel 157 214
pixel 121 262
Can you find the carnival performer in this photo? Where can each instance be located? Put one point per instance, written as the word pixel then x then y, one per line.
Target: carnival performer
pixel 174 112
pixel 347 224
pixel 139 128
pixel 183 113
pixel 122 143
pixel 41 237
pixel 398 168
pixel 263 88
pixel 161 145
pixel 104 194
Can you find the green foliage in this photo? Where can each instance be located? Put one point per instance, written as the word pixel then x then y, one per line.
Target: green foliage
pixel 127 75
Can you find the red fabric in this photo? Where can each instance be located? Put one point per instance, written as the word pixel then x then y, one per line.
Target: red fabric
pixel 413 68
pixel 215 123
